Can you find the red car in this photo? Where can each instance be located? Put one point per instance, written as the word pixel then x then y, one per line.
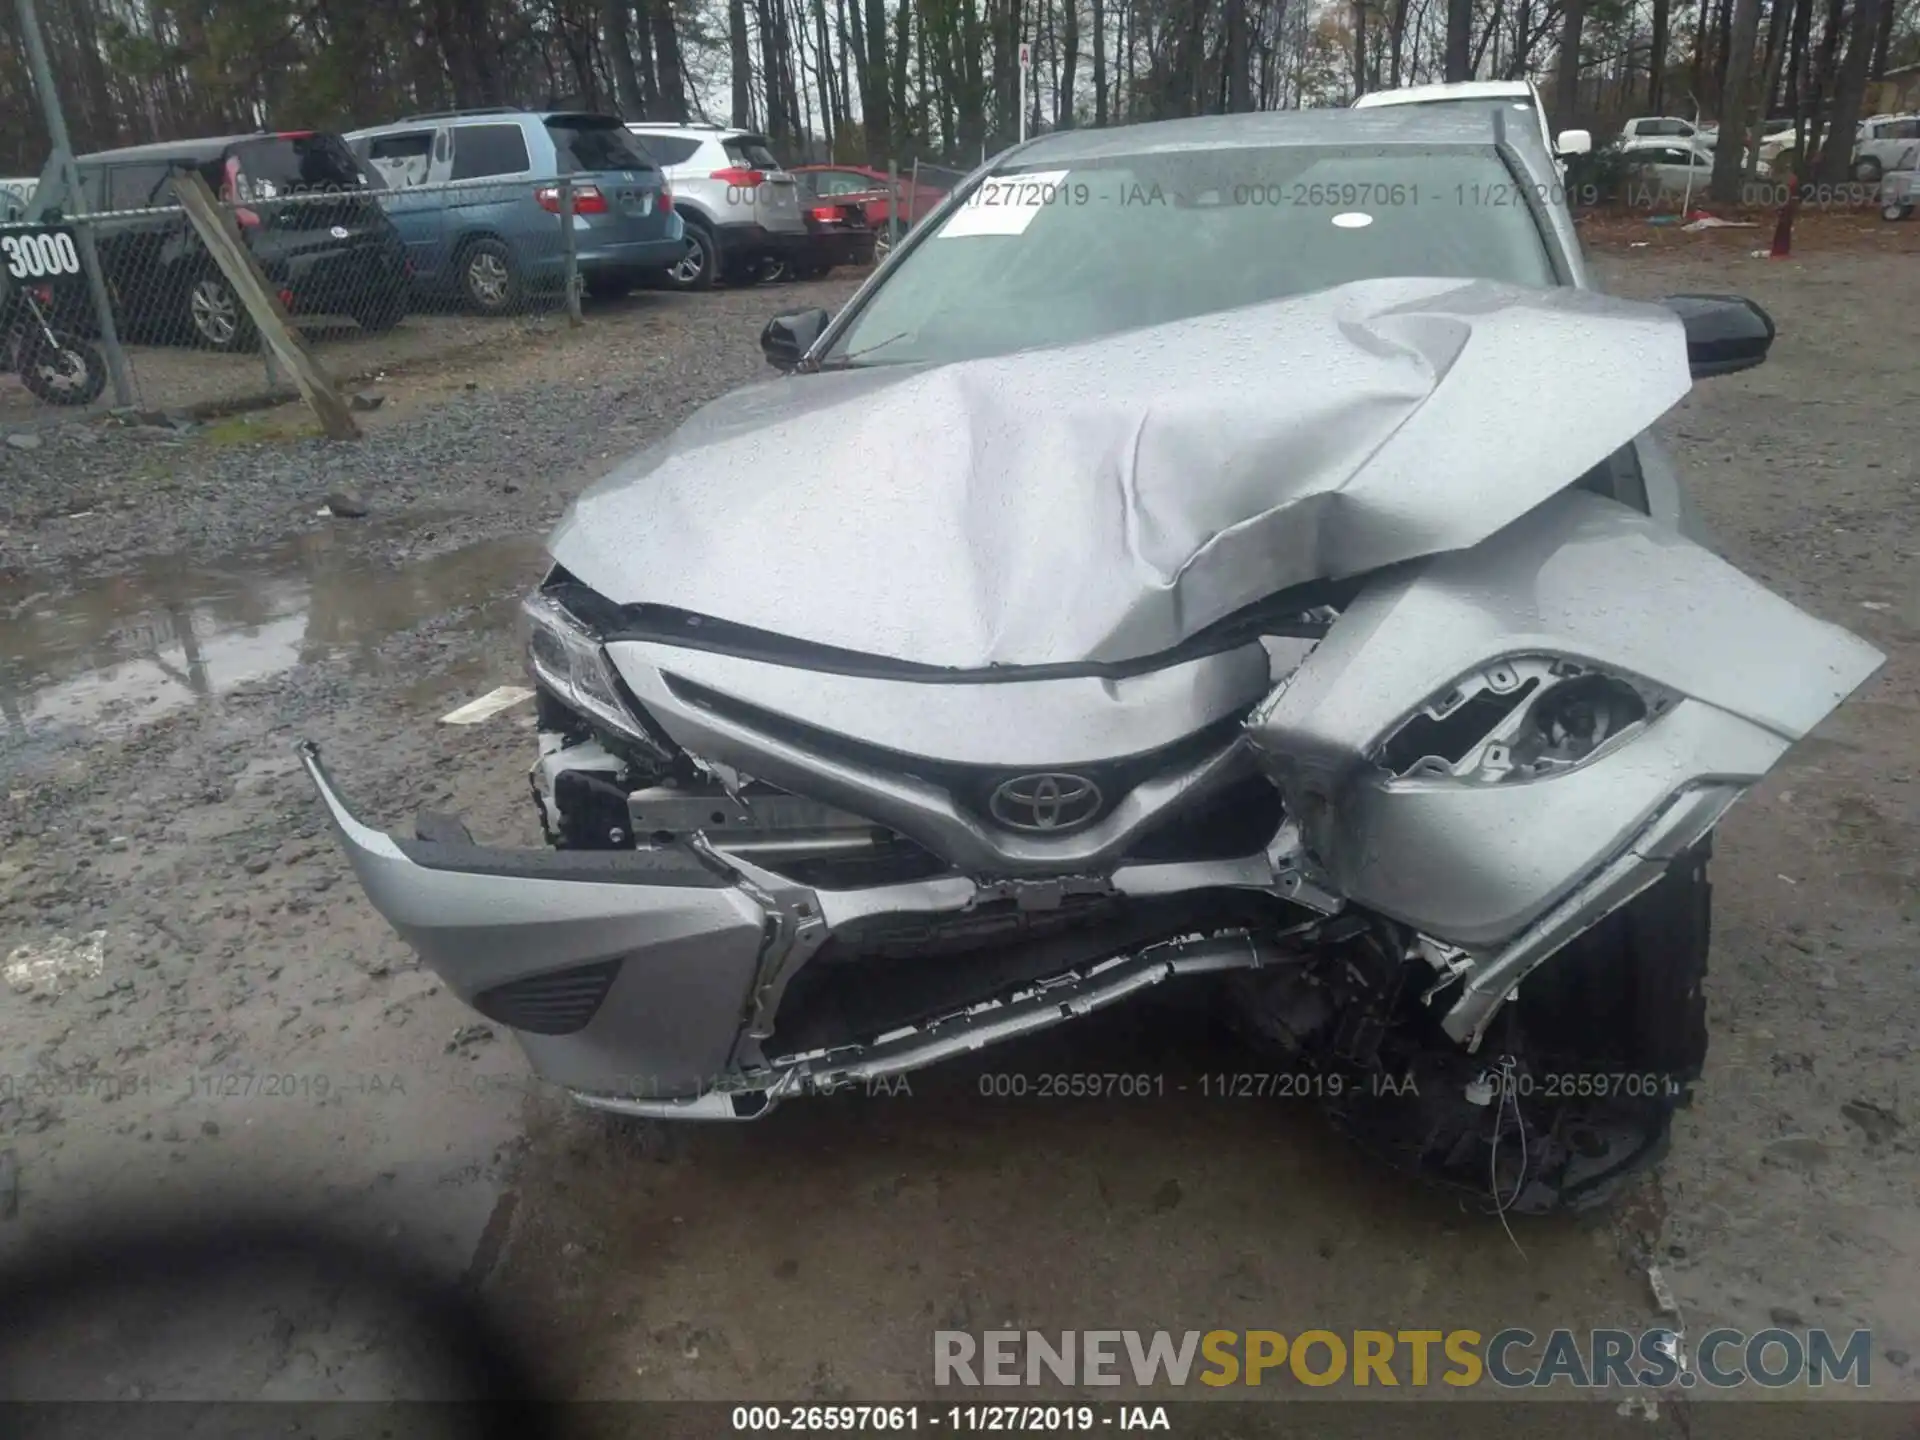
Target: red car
pixel 867 187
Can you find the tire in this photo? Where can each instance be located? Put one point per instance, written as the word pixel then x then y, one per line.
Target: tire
pixel 1895 212
pixel 1628 995
pixel 489 281
pixel 1867 170
pixel 1607 1039
pixel 882 247
pixel 778 270
pixel 71 373
pixel 216 320
pixel 376 317
pixel 697 268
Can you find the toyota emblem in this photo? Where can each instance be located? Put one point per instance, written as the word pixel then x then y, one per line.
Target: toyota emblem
pixel 1046 802
pixel 339 232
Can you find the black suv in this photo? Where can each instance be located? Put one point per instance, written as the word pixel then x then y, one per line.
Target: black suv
pixel 307 209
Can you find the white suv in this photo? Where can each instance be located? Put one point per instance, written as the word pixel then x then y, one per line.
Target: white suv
pixel 741 207
pixel 1882 141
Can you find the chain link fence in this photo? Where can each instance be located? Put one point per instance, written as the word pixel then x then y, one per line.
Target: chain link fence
pixel 372 276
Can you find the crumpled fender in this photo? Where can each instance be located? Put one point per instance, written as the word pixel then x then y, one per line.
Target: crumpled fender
pixel 1475 862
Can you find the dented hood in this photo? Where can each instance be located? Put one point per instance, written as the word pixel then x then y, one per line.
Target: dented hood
pixel 1103 501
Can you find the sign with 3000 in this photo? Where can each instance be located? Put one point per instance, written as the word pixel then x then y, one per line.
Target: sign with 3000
pixel 39 254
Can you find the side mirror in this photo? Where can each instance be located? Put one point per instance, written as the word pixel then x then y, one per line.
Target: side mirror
pixel 1725 333
pixel 787 338
pixel 1573 142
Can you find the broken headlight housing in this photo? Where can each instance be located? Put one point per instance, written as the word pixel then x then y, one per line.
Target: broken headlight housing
pixel 569 660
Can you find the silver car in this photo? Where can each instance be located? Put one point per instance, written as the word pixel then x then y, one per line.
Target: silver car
pixel 1314 620
pixel 741 207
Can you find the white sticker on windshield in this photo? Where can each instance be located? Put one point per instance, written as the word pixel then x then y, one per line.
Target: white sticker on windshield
pixel 1005 206
pixel 1353 220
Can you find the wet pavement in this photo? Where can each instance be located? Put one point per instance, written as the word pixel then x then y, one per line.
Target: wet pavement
pixel 116 654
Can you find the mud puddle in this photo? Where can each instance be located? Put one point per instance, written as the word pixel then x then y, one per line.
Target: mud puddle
pixel 104 660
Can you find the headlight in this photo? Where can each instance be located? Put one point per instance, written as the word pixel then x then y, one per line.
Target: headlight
pixel 570 661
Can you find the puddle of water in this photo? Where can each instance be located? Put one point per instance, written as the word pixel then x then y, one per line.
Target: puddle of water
pixel 120 653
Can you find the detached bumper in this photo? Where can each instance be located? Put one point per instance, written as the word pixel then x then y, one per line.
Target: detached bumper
pixel 643 980
pixel 636 965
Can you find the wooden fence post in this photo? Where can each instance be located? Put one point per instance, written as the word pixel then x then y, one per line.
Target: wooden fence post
pixel 221 235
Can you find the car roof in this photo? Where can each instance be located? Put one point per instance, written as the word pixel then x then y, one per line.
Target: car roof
pixel 1458 90
pixel 1409 126
pixel 198 150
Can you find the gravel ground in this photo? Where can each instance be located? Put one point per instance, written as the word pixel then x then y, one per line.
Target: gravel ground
pixel 483 443
pixel 810 1255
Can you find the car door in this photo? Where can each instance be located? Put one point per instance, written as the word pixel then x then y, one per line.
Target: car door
pixel 486 161
pixel 137 242
pixel 404 160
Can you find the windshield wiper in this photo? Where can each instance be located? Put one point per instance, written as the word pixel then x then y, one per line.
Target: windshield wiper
pixel 848 361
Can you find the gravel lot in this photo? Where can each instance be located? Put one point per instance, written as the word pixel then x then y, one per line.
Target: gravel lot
pixel 167 649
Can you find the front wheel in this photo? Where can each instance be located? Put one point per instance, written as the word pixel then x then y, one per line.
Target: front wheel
pixel 1895 212
pixel 1867 171
pixel 1573 1091
pixel 380 315
pixel 65 372
pixel 217 318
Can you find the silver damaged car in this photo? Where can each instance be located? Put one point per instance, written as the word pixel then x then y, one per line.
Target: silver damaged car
pixel 1242 555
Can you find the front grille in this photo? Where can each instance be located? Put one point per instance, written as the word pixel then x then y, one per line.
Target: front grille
pixel 556 1004
pixel 971 786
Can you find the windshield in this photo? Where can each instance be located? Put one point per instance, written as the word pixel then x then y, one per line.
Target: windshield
pixel 1045 257
pixel 592 143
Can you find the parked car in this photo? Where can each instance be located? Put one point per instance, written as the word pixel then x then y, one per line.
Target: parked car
pixel 485 229
pixel 1318 614
pixel 1667 167
pixel 741 207
pixel 1667 127
pixel 305 209
pixel 1521 97
pixel 15 196
pixel 837 234
pixel 1883 140
pixel 873 190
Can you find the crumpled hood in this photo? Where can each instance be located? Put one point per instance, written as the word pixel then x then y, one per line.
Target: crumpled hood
pixel 1103 501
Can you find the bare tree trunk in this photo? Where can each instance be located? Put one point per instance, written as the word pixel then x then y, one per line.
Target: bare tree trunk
pixel 1397 40
pixel 1566 81
pixel 1735 98
pixel 1777 25
pixel 1836 161
pixel 1657 59
pixel 740 55
pixel 1459 40
pixel 1069 62
pixel 672 74
pixel 1099 63
pixel 1239 75
pixel 873 97
pixel 1699 67
pixel 1359 48
pixel 1884 41
pixel 1722 54
pixel 616 20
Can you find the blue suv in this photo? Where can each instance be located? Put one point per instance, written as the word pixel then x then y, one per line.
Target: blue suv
pixel 476 198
